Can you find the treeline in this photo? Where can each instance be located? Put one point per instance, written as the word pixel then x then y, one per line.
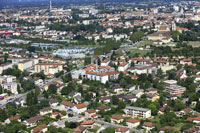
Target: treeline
pixel 77 28
pixel 183 49
pixel 108 46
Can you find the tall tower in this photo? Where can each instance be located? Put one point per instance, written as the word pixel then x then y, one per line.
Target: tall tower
pixel 50 5
pixel 173 26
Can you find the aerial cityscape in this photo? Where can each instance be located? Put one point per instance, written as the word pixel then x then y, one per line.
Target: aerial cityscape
pixel 99 66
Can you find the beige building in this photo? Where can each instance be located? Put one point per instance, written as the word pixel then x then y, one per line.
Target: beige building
pixel 26 64
pixel 48 68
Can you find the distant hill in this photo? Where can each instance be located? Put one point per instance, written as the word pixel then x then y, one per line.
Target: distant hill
pixel 45 2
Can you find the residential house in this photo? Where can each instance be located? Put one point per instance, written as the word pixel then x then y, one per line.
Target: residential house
pixel 40 129
pixel 105 99
pixel 132 123
pixel 181 74
pixel 102 107
pixel 47 110
pixel 123 67
pixel 55 114
pixel 138 93
pixel 80 129
pixel 116 119
pixel 33 120
pixel 53 102
pixel 148 126
pixel 130 87
pixel 166 128
pixel 129 98
pixel 151 90
pixel 88 124
pixel 16 118
pixel 90 113
pixel 67 105
pixel 79 108
pixel 122 130
pixel 153 97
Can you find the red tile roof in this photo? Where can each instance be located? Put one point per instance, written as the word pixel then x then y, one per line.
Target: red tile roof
pixel 117 117
pixel 131 120
pixel 68 104
pixel 39 128
pixel 81 105
pixel 148 124
pixel 88 122
pixel 122 129
pixel 91 111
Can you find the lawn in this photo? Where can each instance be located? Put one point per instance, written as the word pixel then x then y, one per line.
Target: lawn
pixel 194 43
pixel 144 42
pixel 141 52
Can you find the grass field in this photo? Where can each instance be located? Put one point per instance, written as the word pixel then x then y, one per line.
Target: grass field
pixel 144 42
pixel 141 52
pixel 194 43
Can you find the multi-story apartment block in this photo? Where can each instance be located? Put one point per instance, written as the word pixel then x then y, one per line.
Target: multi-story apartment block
pixel 48 68
pixel 5 66
pixel 137 112
pixel 26 64
pixel 175 89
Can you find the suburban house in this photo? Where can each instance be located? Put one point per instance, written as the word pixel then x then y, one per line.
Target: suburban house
pixel 123 67
pixel 102 107
pixel 79 108
pixel 90 113
pixel 47 110
pixel 67 105
pixel 138 93
pixel 122 130
pixel 33 121
pixel 80 129
pixel 88 124
pixel 40 129
pixel 132 123
pixel 148 126
pixel 153 97
pixel 116 119
pixel 15 118
pixel 53 102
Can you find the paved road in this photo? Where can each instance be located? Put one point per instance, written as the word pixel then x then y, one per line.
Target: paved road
pixel 115 125
pixel 5 101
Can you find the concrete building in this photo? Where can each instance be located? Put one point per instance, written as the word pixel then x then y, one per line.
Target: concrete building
pixel 175 89
pixel 26 64
pixel 48 68
pixel 137 112
pixel 5 66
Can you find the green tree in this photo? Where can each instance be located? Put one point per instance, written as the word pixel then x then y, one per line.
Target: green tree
pixel 115 100
pixel 137 35
pixel 52 89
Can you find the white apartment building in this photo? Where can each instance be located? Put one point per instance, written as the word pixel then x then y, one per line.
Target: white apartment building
pixel 137 112
pixel 5 66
